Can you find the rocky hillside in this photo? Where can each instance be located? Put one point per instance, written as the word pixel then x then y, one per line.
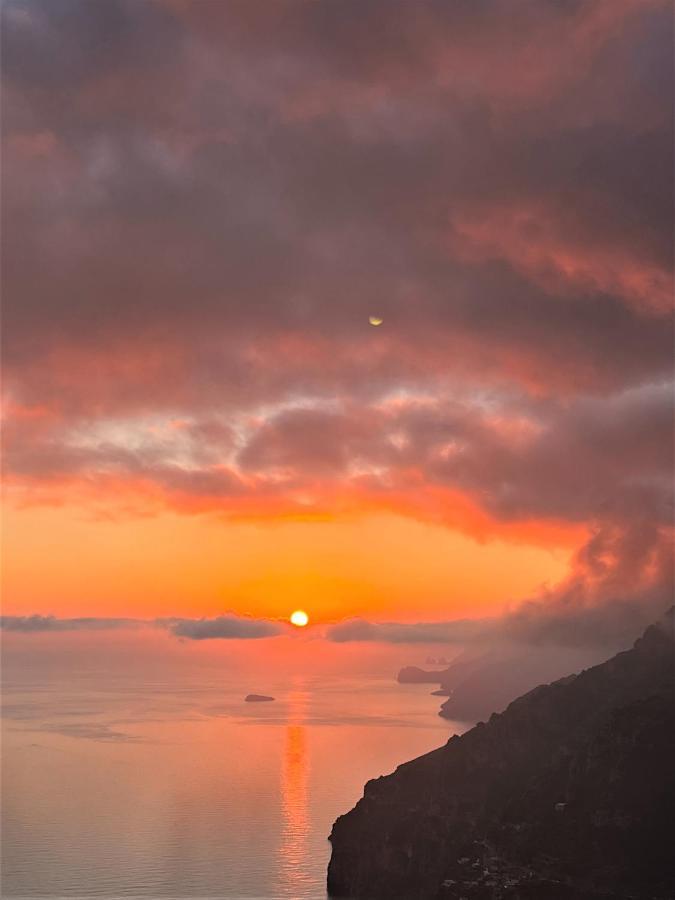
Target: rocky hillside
pixel 569 793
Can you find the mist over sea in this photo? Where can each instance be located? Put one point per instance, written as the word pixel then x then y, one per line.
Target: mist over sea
pixel 123 777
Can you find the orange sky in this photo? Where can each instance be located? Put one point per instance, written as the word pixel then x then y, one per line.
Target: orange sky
pixel 60 560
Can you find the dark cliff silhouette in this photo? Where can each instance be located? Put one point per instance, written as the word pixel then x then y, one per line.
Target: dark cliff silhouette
pixel 569 793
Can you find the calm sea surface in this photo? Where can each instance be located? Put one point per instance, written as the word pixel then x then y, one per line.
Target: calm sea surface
pixel 115 787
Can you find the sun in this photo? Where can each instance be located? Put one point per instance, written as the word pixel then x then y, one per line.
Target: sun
pixel 299 618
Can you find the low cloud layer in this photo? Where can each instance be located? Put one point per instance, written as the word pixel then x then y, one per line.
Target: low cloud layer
pixel 223 627
pixel 561 620
pixel 36 624
pixel 534 625
pixel 456 632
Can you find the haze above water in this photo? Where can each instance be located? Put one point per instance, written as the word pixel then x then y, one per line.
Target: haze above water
pixel 164 783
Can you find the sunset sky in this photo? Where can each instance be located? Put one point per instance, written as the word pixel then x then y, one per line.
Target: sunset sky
pixel 204 203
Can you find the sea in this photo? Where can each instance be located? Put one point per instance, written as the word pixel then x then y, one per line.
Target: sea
pixel 121 782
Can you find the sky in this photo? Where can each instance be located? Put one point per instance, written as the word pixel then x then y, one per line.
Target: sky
pixel 205 202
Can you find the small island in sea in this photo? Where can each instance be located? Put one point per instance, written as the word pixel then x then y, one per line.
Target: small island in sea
pixel 257 698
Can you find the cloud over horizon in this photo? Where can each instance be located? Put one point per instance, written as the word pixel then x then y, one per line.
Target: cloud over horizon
pixel 37 623
pixel 223 627
pixel 561 622
pixel 358 630
pixel 229 626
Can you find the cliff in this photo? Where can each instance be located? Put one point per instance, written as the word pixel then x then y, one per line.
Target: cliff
pixel 567 794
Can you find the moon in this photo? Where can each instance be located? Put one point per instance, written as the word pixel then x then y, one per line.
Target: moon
pixel 375 320
pixel 299 618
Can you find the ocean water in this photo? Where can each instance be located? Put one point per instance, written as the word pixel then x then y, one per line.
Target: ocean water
pixel 120 786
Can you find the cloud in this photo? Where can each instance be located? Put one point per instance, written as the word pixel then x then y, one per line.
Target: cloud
pixel 414 136
pixel 224 627
pixel 403 633
pixel 228 195
pixel 38 623
pixel 47 46
pixel 620 580
pixel 614 624
pixel 514 458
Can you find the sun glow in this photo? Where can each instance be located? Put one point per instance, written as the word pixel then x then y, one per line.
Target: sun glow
pixel 299 618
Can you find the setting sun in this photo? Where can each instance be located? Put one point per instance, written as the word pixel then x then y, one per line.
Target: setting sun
pixel 299 618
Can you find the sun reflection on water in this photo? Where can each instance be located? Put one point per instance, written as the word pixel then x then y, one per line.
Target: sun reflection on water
pixel 294 848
